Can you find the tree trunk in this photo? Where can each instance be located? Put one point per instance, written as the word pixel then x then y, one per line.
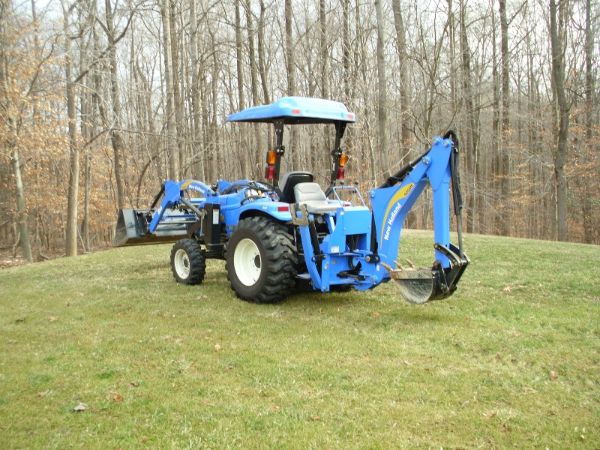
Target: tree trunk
pixel 261 53
pixel 22 216
pixel 381 87
pixel 289 50
pixel 470 132
pixel 73 194
pixel 403 73
pixel 323 50
pixel 239 57
pixel 260 145
pixel 170 124
pixel 324 66
pixel 195 93
pixel 587 208
pixel 291 78
pixel 496 220
pixel 175 85
pixel 504 148
pixel 346 48
pixel 6 85
pixel 115 131
pixel 560 154
pixel 87 131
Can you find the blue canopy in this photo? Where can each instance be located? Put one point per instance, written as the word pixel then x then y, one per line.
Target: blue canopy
pixel 296 110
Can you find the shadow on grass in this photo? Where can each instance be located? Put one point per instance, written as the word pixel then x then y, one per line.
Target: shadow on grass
pixel 421 314
pixel 326 300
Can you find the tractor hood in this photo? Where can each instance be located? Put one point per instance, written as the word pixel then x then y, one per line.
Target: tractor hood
pixel 296 111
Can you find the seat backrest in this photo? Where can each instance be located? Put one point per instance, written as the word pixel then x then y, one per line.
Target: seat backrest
pixel 289 180
pixel 309 192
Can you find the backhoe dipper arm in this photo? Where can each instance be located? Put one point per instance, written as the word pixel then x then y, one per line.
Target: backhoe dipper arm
pixel 392 204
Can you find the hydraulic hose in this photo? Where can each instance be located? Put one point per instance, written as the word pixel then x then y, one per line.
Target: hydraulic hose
pixel 456 193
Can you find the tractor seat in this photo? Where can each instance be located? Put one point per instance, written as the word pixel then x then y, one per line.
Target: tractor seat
pixel 312 196
pixel 289 181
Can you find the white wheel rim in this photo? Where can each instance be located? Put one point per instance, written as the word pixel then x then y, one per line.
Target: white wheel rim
pixel 182 264
pixel 247 262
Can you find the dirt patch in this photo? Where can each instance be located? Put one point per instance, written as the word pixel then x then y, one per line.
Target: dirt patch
pixel 7 260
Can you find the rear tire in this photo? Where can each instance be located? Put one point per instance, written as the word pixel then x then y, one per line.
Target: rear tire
pixel 261 261
pixel 188 262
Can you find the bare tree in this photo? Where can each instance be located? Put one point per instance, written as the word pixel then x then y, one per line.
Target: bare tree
pixel 170 127
pixel 557 16
pixel 10 140
pixel 73 195
pixel 504 171
pixel 115 126
pixel 381 82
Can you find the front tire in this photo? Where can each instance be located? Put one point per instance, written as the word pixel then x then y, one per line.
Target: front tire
pixel 188 262
pixel 261 261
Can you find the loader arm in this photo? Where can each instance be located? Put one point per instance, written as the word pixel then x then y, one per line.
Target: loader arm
pixel 393 201
pixel 164 220
pixel 171 196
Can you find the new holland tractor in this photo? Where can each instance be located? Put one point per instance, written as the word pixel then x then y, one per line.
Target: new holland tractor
pixel 285 231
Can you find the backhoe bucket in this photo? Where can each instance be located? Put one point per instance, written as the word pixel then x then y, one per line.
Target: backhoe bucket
pixel 420 286
pixel 132 228
pixel 416 285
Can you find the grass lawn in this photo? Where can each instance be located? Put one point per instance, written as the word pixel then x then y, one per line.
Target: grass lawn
pixel 512 360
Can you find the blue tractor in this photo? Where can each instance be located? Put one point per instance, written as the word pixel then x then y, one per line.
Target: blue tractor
pixel 285 231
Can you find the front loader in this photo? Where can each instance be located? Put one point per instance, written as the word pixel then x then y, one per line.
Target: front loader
pixel 285 231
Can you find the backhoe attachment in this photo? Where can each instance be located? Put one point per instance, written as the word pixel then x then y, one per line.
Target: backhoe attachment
pixel 437 168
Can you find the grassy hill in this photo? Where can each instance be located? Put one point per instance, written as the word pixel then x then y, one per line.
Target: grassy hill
pixel 512 360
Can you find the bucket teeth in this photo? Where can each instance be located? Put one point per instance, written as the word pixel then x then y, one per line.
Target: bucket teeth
pixel 408 261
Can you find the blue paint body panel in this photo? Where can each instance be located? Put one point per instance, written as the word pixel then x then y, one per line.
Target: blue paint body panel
pixel 296 110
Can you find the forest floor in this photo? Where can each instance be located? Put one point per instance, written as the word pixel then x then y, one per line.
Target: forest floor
pixel 511 360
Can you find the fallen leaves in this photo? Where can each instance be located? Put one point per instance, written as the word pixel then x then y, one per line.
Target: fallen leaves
pixel 80 407
pixel 491 414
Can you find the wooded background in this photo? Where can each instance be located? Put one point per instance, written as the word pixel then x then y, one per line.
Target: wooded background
pixel 100 101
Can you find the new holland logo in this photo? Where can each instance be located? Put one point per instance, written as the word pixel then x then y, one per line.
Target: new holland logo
pixel 191 185
pixel 390 214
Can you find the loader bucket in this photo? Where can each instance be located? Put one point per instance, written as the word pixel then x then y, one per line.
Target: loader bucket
pixel 132 229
